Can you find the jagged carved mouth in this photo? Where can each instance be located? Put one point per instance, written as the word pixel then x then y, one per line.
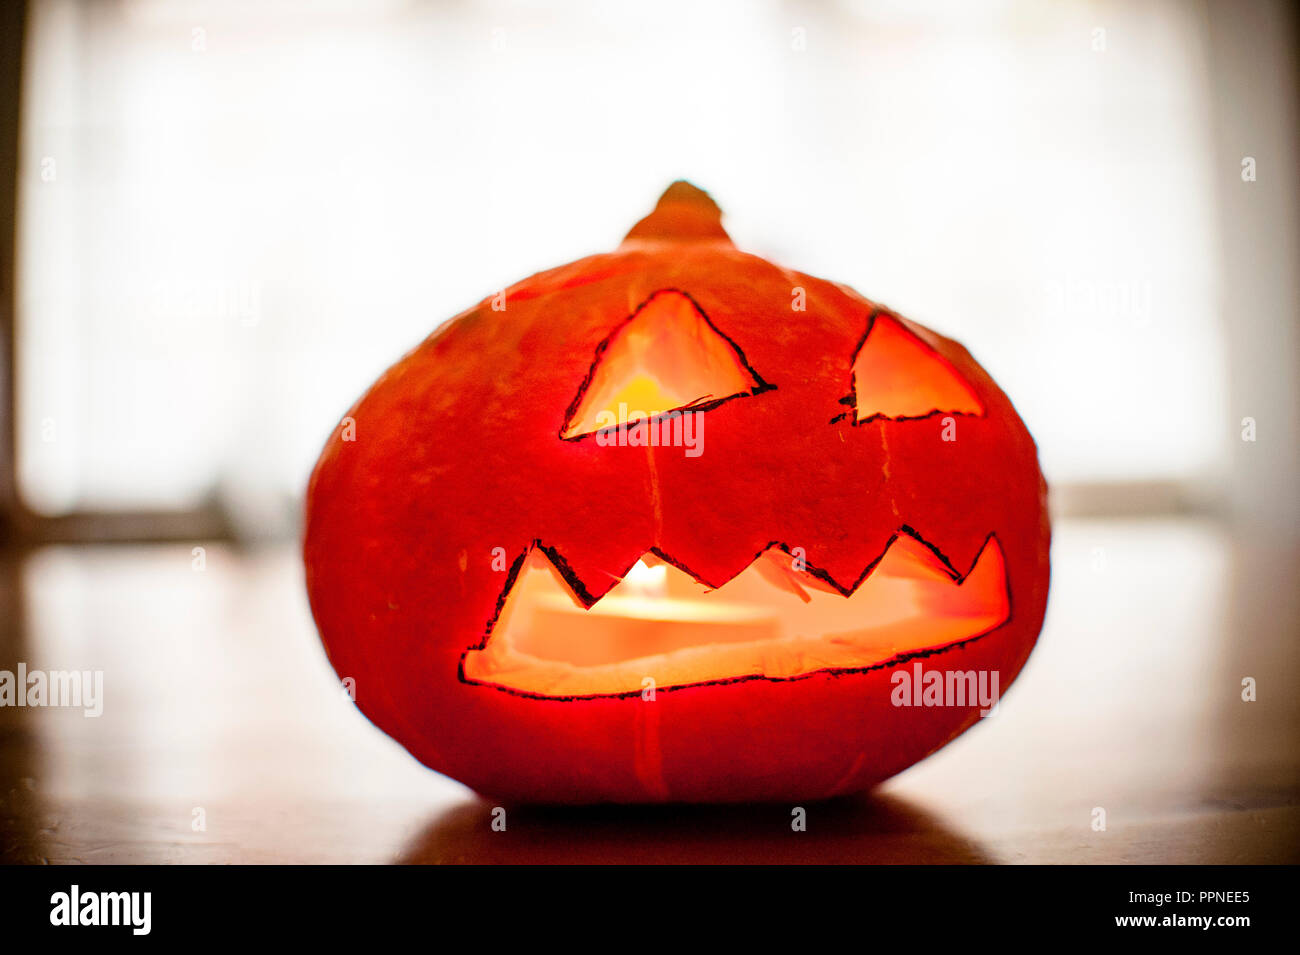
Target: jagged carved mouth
pixel 778 619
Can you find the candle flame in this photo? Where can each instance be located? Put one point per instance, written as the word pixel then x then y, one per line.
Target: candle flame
pixel 643 581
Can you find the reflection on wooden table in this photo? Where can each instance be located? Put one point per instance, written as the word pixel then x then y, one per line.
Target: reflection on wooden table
pixel 225 737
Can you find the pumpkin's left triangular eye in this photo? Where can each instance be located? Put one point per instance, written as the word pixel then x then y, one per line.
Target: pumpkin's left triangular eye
pixel 896 375
pixel 666 357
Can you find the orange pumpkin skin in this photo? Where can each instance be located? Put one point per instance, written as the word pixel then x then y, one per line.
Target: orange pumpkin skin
pixel 457 451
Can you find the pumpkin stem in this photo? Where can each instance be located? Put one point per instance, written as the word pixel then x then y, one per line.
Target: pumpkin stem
pixel 682 213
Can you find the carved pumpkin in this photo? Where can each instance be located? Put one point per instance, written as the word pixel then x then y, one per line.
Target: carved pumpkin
pixel 675 523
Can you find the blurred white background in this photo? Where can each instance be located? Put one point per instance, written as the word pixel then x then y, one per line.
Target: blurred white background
pixel 235 215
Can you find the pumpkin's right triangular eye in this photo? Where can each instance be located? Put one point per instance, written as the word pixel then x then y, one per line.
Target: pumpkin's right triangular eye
pixel 665 357
pixel 896 375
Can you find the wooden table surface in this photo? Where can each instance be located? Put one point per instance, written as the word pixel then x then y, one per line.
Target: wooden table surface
pixel 220 706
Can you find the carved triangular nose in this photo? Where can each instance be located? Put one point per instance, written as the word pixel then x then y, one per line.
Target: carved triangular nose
pixel 665 357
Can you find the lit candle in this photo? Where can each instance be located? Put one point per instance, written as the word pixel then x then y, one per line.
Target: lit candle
pixel 638 619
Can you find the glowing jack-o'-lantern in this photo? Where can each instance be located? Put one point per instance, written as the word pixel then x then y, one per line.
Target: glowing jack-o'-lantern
pixel 674 523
